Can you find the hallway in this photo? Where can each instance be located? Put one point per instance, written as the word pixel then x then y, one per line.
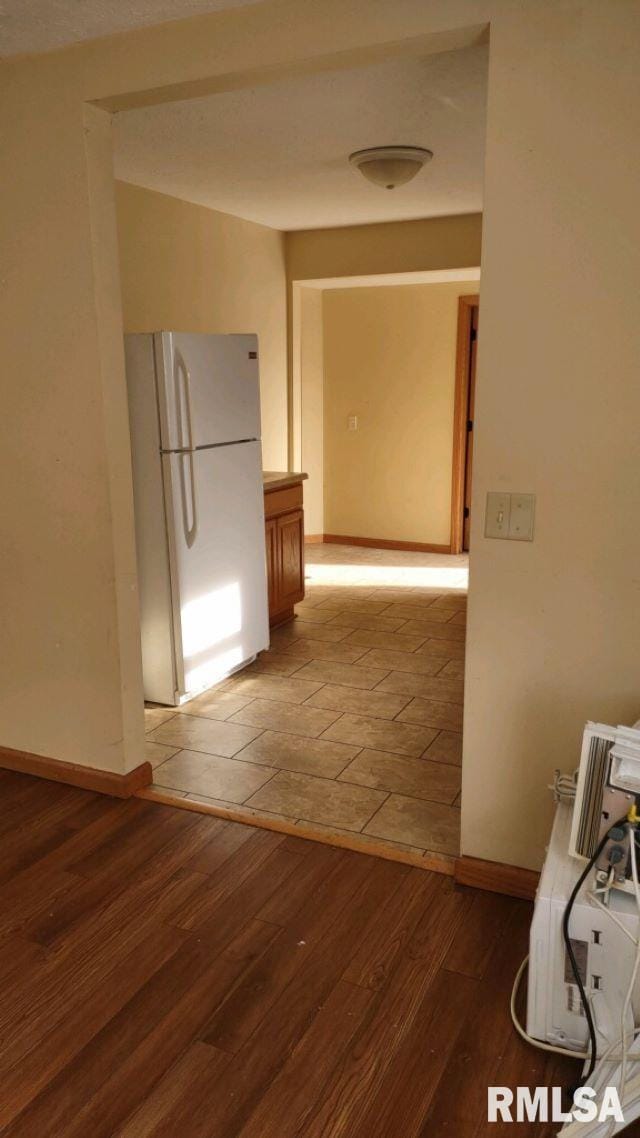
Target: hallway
pixel 349 728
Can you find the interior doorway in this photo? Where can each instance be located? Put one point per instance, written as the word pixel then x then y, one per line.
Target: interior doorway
pixel 464 412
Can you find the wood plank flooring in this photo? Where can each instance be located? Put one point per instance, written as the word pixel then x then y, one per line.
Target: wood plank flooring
pixel 166 973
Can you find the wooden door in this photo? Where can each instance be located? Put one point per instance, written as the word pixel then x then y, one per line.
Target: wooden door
pixel 463 422
pixel 471 405
pixel 291 558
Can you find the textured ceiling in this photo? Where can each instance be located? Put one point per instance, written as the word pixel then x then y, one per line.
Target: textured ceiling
pixel 279 154
pixel 40 25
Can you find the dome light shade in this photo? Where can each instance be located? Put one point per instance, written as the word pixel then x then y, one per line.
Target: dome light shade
pixel 390 166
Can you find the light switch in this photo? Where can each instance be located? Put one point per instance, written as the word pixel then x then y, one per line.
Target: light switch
pixel 497 517
pixel 352 423
pixel 521 519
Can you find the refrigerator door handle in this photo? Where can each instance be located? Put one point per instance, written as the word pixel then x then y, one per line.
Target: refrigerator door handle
pixel 188 496
pixel 185 434
pixel 183 417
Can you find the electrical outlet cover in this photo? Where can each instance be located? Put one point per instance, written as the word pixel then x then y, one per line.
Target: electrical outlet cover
pixel 521 517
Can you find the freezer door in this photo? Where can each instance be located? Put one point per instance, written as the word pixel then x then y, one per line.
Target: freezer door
pixel 215 512
pixel 208 389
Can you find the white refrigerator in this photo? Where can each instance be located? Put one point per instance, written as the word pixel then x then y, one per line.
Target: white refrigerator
pixel 194 408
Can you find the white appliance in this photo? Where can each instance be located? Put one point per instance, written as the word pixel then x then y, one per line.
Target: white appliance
pixel 608 784
pixel 194 409
pixel 603 951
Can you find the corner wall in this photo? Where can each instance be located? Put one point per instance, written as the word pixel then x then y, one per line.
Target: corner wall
pixel 187 267
pixel 554 625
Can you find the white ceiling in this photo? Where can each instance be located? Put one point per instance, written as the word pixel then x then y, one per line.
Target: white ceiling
pixel 40 25
pixel 279 154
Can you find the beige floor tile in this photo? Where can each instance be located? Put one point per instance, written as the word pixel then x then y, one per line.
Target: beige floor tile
pixel 349 675
pixel 442 649
pixel 212 775
pixel 453 668
pixel 446 748
pixel 208 735
pixel 314 598
pixel 346 602
pixel 295 753
pixel 456 601
pixel 315 650
pixel 398 596
pixel 348 619
pixel 280 688
pixel 403 661
pixel 432 713
pixel 276 664
pixel 399 641
pixel 429 687
pixel 437 630
pixel 459 618
pixel 318 800
pixel 363 841
pixel 408 611
pixel 156 753
pixel 214 705
pixel 400 775
pixel 154 716
pixel 426 593
pixel 378 704
pixel 288 717
pixel 247 811
pixel 316 614
pixel 306 630
pixel 430 825
pixel 379 735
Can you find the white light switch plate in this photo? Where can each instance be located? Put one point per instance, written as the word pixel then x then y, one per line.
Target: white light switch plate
pixel 510 516
pixel 522 514
pixel 497 516
pixel 352 423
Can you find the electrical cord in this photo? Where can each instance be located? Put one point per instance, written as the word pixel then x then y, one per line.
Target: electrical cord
pixel 592 1054
pixel 529 1038
pixel 556 1050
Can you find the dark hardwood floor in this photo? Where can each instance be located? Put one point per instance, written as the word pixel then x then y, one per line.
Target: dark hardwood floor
pixel 166 973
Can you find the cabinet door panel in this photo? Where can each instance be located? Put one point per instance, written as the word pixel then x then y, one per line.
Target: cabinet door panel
pixel 291 558
pixel 273 574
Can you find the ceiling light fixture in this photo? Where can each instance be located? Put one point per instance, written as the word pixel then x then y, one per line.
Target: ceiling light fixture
pixel 390 166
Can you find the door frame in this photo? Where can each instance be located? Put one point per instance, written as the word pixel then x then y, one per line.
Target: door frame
pixel 466 304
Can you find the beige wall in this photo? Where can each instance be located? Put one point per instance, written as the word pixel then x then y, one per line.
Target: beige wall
pixel 311 411
pixel 554 626
pixel 395 247
pixel 389 358
pixel 184 266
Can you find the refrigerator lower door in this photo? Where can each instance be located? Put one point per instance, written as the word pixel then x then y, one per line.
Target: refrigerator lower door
pixel 215 514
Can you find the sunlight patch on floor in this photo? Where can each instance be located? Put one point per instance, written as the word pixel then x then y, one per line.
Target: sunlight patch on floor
pixel 386 568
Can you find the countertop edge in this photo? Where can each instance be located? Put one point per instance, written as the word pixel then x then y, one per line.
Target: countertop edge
pixel 277 480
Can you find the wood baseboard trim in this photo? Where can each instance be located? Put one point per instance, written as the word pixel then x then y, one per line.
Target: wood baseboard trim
pixel 382 543
pixel 434 862
pixel 495 877
pixel 86 778
pixel 313 538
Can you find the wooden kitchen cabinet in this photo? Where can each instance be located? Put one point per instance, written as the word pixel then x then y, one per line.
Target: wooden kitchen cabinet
pixel 284 523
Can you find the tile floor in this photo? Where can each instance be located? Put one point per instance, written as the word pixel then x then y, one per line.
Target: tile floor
pixel 350 725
